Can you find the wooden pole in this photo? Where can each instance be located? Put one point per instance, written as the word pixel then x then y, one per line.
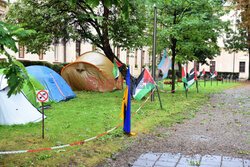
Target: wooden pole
pixel 159 96
pixel 197 86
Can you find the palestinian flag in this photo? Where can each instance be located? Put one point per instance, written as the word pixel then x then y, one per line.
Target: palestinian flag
pixel 116 70
pixel 203 73
pixel 184 75
pixel 214 74
pixel 144 83
pixel 195 74
pixel 119 65
pixel 191 78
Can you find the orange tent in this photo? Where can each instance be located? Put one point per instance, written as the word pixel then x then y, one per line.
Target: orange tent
pixel 91 71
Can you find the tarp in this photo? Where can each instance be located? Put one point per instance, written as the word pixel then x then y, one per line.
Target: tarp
pixel 92 71
pixel 58 89
pixel 17 109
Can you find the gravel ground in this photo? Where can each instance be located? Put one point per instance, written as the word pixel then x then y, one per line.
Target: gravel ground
pixel 222 127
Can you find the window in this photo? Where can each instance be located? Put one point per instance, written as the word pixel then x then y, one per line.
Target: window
pixel 56 52
pixel 136 65
pixel 142 57
pixel 41 55
pixel 127 61
pixel 196 64
pixel 21 51
pixel 242 66
pixel 78 48
pixel 212 66
pixel 118 52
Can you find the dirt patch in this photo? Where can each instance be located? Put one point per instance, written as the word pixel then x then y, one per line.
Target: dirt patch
pixel 222 127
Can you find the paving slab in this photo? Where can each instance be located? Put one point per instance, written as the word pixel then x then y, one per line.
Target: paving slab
pixel 232 162
pixel 211 160
pixel 179 160
pixel 188 160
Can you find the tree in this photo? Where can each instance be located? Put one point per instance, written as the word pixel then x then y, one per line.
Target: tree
pixel 14 71
pixel 189 29
pixel 98 22
pixel 240 38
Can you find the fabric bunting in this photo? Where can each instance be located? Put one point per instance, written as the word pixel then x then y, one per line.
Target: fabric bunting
pixel 165 64
pixel 144 83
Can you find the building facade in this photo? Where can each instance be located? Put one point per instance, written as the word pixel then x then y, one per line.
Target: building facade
pixel 137 59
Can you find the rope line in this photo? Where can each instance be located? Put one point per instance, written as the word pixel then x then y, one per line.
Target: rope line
pixel 80 142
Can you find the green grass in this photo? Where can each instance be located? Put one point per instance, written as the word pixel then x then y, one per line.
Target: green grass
pixel 91 114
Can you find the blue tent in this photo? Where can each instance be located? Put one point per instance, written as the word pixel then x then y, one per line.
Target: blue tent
pixel 58 88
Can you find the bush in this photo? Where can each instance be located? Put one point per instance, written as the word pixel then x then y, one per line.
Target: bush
pixel 56 67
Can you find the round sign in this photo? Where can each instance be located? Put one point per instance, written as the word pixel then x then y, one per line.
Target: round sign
pixel 42 96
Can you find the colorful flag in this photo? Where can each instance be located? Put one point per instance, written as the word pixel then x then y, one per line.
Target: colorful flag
pixel 203 73
pixel 165 64
pixel 126 106
pixel 144 83
pixel 214 74
pixel 195 74
pixel 184 75
pixel 191 78
pixel 116 70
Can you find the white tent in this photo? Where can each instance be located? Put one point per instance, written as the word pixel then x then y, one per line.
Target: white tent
pixel 17 109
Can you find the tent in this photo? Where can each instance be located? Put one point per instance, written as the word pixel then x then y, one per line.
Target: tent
pixel 92 71
pixel 58 89
pixel 30 88
pixel 17 109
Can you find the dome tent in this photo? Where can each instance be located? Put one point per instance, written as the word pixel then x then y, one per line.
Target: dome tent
pixel 30 88
pixel 92 71
pixel 16 109
pixel 58 89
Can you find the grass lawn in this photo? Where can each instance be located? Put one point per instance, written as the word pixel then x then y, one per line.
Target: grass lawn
pixel 91 114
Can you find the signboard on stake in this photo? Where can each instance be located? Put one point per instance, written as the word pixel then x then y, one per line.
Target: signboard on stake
pixel 42 96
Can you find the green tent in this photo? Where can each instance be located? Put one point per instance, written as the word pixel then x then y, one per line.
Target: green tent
pixel 30 88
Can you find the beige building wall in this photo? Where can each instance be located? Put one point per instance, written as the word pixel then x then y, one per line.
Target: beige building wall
pixel 228 62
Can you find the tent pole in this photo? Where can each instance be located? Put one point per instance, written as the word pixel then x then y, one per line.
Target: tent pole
pixel 197 86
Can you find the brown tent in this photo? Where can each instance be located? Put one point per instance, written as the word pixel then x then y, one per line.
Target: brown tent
pixel 91 71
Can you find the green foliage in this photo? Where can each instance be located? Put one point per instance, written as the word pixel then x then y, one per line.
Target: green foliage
pixel 14 70
pixel 80 20
pixel 189 28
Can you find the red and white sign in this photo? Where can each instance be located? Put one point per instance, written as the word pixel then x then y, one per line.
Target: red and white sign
pixel 42 96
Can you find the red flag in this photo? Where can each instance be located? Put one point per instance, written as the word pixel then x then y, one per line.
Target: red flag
pixel 118 64
pixel 183 73
pixel 203 72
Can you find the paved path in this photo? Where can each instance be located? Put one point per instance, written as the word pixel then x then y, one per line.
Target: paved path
pixel 179 160
pixel 220 128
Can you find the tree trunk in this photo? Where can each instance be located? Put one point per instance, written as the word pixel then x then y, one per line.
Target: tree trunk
pixel 173 48
pixel 173 70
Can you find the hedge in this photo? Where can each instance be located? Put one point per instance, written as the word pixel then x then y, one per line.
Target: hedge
pixel 56 67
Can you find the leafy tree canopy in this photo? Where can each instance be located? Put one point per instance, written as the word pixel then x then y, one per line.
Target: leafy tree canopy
pixel 189 29
pixel 15 71
pixel 98 22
